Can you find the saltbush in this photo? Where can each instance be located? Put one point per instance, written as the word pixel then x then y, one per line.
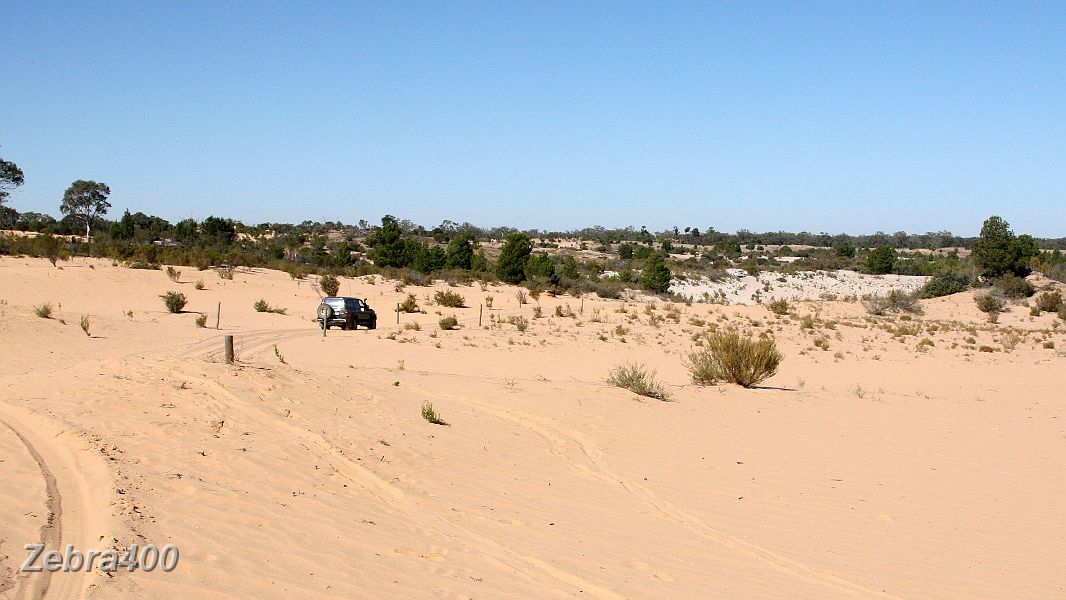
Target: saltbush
pixel 449 299
pixel 330 285
pixel 1014 287
pixel 944 285
pixel 175 301
pixel 990 301
pixel 1049 301
pixel 638 379
pixel 736 359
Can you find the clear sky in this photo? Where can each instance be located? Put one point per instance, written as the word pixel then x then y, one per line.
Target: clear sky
pixel 839 117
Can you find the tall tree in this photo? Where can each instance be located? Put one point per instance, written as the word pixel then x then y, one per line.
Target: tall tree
pixel 511 266
pixel 86 200
pixel 881 260
pixel 656 275
pixel 10 178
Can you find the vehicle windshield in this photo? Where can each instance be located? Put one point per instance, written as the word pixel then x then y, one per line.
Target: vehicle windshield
pixel 335 302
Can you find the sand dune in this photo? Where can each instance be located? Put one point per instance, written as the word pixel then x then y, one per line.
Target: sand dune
pixel 880 467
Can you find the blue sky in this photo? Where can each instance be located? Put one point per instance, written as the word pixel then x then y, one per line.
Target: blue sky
pixel 839 117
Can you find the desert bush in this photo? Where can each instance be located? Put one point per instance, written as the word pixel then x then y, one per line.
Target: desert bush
pixel 225 272
pixel 43 311
pixel 262 306
pixel 778 307
pixel 521 296
pixel 199 284
pixel 990 302
pixel 1062 311
pixel 702 367
pixel 201 321
pixel 173 274
pixel 449 299
pixel 943 285
pixel 85 325
pixel 894 301
pixel 537 312
pixel 448 323
pixel 737 359
pixel 488 301
pixel 1049 301
pixel 412 326
pixel 174 301
pixel 330 285
pixel 140 264
pixel 409 305
pixel 1014 287
pixel 637 379
pixel 430 414
pixel 521 323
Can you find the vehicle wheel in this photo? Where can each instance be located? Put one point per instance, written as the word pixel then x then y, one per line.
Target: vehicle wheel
pixel 372 325
pixel 355 324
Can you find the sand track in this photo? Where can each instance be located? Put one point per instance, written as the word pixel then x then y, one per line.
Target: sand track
pixel 76 484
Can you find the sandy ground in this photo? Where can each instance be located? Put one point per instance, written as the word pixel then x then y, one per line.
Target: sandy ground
pixel 883 465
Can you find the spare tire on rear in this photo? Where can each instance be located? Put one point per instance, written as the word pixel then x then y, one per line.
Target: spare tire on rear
pixel 325 313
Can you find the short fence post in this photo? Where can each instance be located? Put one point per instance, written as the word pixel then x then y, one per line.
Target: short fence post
pixel 480 311
pixel 229 349
pixel 218 317
pixel 397 313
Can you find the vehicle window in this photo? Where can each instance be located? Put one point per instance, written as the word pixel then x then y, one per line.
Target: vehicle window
pixel 335 302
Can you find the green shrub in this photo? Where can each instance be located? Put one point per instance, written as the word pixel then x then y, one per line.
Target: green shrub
pixel 173 274
pixel 262 306
pixel 637 379
pixel 1062 311
pixel 521 323
pixel 85 325
pixel 448 323
pixel 990 302
pixel 944 285
pixel 410 305
pixel 44 310
pixel 430 415
pixel 449 299
pixel 881 260
pixel 199 284
pixel 1049 301
pixel 737 359
pixel 1014 287
pixel 201 321
pixel 225 272
pixel 175 301
pixel 330 285
pixel 779 307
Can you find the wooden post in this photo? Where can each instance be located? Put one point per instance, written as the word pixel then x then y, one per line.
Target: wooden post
pixel 218 317
pixel 582 311
pixel 229 349
pixel 397 313
pixel 480 311
pixel 323 327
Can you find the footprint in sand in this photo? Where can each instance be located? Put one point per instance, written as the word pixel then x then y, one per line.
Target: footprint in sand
pixel 636 564
pixel 663 576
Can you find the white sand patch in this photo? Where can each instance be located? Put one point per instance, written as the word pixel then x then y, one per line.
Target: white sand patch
pixel 742 288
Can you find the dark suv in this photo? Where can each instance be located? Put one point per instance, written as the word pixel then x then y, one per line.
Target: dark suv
pixel 349 313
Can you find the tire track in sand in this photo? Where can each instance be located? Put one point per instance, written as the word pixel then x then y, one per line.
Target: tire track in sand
pixel 402 503
pixel 76 484
pixel 559 438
